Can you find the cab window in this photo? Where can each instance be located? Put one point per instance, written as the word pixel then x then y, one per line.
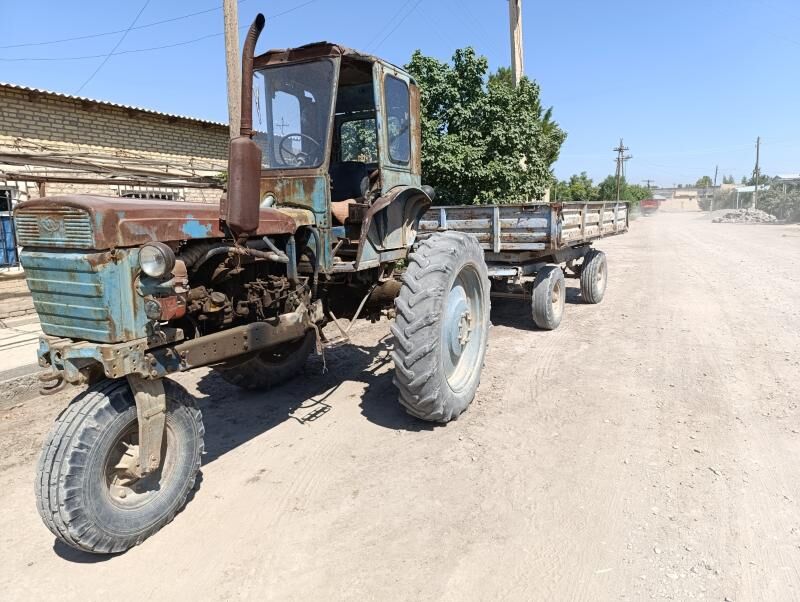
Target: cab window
pixel 359 141
pixel 398 120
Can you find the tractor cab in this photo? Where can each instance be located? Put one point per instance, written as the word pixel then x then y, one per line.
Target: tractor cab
pixel 339 138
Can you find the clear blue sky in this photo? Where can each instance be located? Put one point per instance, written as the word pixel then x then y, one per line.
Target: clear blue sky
pixel 687 83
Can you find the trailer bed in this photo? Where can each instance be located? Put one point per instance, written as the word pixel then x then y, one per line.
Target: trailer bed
pixel 521 233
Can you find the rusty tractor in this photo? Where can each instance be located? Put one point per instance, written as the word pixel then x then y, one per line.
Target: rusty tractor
pixel 321 210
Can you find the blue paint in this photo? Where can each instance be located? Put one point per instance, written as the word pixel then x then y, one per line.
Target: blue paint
pixel 86 296
pixel 194 229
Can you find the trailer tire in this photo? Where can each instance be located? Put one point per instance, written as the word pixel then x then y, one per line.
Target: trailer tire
pixel 78 490
pixel 269 368
pixel 594 276
pixel 442 326
pixel 548 298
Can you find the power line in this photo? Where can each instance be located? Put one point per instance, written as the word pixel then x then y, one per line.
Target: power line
pixel 407 15
pixel 111 33
pixel 388 23
pixel 151 48
pixel 120 53
pixel 121 39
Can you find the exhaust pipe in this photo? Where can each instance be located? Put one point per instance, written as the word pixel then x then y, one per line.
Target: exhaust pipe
pixel 241 211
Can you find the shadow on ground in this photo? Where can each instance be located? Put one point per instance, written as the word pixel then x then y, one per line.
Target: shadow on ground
pixel 234 416
pixel 516 313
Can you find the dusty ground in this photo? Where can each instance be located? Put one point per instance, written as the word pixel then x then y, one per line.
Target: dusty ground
pixel 647 448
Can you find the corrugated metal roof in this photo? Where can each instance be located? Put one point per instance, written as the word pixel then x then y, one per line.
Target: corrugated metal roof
pixel 107 103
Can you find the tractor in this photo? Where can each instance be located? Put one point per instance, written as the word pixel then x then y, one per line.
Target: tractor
pixel 319 219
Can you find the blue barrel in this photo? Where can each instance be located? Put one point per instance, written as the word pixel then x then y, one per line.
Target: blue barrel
pixel 8 242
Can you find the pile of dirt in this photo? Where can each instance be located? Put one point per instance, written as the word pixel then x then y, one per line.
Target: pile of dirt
pixel 743 216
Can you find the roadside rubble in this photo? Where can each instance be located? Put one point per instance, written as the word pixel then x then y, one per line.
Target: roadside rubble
pixel 743 216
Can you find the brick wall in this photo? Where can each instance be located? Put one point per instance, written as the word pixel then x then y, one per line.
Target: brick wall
pixel 44 116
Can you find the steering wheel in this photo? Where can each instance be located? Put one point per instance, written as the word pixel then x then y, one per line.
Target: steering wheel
pixel 298 158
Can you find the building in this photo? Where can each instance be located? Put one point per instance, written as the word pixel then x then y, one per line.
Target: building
pixel 53 143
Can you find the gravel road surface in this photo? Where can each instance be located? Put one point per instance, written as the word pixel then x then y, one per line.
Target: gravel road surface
pixel 648 448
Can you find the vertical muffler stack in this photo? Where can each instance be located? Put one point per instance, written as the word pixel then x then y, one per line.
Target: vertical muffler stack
pixel 241 211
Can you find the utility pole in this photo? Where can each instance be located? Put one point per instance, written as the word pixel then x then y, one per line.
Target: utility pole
pixel 756 172
pixel 517 56
pixel 621 159
pixel 714 189
pixel 647 182
pixel 233 67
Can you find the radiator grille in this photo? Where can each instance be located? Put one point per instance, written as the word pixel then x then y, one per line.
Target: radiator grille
pixel 54 227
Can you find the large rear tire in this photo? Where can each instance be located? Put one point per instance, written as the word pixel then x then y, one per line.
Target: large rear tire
pixel 269 368
pixel 548 298
pixel 442 326
pixel 594 276
pixel 86 489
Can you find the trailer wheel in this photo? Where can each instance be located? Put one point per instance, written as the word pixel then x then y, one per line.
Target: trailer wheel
pixel 549 296
pixel 269 368
pixel 87 492
pixel 442 326
pixel 594 276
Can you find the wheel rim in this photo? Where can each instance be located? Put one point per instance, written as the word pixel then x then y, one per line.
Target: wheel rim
pixel 124 488
pixel 556 297
pixel 600 276
pixel 462 333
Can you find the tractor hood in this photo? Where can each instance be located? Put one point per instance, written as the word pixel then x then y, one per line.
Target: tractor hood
pixel 97 222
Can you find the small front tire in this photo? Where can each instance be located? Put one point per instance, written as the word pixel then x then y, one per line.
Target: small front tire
pixel 86 489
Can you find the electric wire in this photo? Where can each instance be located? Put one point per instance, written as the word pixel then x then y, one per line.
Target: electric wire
pixel 111 33
pixel 147 49
pixel 108 56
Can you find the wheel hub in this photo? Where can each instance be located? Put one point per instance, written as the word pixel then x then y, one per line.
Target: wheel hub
pixel 461 332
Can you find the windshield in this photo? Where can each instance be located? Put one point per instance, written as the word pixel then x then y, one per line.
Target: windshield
pixel 293 107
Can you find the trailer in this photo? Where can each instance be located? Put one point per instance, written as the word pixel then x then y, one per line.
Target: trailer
pixel 530 248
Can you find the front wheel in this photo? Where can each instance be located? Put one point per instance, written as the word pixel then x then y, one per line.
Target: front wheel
pixel 442 326
pixel 269 368
pixel 87 490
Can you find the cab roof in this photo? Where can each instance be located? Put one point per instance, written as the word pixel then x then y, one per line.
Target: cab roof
pixel 313 51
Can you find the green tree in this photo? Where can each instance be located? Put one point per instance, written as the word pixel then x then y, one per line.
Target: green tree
pixel 704 182
pixel 728 180
pixel 579 188
pixel 483 140
pixel 607 191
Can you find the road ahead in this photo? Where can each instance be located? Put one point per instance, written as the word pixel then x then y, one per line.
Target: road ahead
pixel 648 447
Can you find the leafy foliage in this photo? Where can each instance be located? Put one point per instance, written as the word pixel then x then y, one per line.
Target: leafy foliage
pixel 627 192
pixel 483 140
pixel 704 182
pixel 359 139
pixel 580 187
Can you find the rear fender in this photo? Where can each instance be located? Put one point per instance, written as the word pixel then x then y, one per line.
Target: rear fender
pixel 390 226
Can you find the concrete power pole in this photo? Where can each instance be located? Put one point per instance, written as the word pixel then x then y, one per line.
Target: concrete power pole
pixel 517 56
pixel 756 172
pixel 232 64
pixel 621 159
pixel 714 189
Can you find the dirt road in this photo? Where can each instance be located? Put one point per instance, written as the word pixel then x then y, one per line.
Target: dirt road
pixel 647 448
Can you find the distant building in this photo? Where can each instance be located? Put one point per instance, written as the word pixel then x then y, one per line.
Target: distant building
pixel 53 143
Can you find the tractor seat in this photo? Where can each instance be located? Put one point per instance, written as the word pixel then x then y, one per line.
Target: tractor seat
pixel 349 184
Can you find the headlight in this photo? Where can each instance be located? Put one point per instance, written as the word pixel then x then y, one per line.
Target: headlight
pixel 268 200
pixel 156 259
